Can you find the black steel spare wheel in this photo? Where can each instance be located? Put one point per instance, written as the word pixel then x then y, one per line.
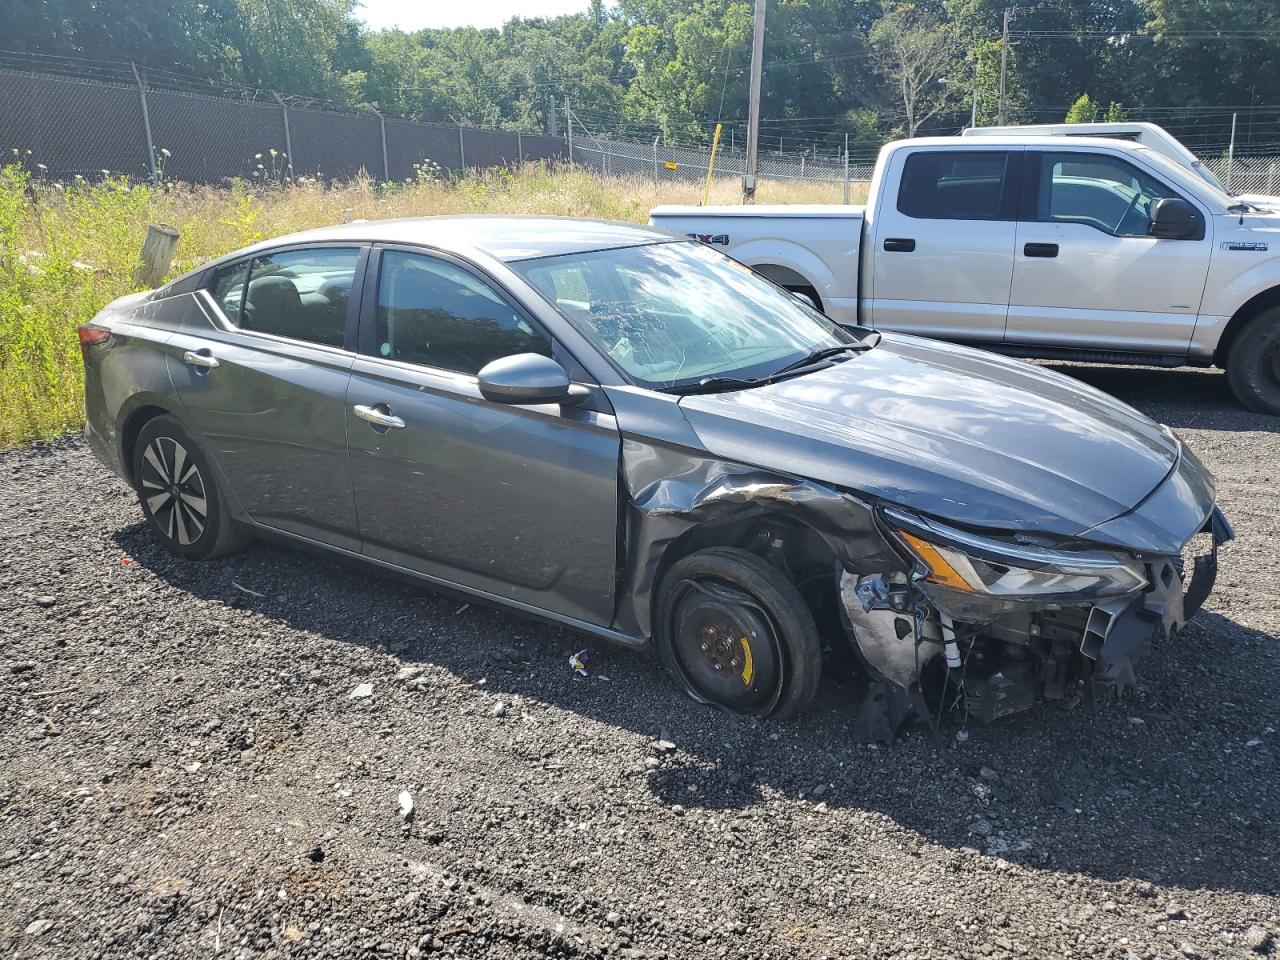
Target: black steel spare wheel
pixel 726 646
pixel 735 632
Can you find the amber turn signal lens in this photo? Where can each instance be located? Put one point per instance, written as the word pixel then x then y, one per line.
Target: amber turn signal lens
pixel 940 571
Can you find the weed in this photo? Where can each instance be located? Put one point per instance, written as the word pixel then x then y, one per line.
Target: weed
pixel 68 250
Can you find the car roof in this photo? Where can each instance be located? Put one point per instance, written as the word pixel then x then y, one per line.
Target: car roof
pixel 1048 141
pixel 502 237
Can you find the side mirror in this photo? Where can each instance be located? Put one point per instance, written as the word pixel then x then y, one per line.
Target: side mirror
pixel 1173 219
pixel 528 378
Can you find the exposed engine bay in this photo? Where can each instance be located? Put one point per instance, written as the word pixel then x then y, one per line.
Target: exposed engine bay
pixel 935 647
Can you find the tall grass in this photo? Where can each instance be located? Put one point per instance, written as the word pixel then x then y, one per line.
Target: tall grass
pixel 67 250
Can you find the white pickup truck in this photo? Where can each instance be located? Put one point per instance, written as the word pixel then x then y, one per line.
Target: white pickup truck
pixel 1086 249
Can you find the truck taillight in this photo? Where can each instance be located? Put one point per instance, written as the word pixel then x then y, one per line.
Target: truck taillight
pixel 91 334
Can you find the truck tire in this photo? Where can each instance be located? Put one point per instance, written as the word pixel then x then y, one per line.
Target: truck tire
pixel 735 632
pixel 1253 363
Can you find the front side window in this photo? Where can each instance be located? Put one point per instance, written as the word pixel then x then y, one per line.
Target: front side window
pixel 1099 191
pixel 671 314
pixel 956 185
pixel 299 294
pixel 434 313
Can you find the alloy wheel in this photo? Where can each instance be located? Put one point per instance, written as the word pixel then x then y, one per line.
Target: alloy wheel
pixel 174 490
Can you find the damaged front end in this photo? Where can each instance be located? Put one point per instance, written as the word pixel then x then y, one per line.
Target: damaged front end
pixel 985 626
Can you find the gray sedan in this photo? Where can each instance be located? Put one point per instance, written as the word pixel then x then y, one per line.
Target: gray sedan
pixel 631 434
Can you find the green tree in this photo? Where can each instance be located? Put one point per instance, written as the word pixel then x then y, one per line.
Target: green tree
pixel 1083 110
pixel 1116 113
pixel 987 58
pixel 919 55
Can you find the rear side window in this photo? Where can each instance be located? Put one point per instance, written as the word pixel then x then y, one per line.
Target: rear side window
pixel 957 185
pixel 434 313
pixel 227 288
pixel 299 294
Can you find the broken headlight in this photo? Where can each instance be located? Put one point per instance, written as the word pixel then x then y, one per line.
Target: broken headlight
pixel 964 561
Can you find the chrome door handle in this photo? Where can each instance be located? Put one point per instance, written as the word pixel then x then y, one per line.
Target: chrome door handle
pixel 379 418
pixel 200 359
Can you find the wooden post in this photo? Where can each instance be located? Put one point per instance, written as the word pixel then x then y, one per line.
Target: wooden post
pixel 157 255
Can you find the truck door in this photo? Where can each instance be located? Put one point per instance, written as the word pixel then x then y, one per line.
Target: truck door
pixel 1086 272
pixel 943 248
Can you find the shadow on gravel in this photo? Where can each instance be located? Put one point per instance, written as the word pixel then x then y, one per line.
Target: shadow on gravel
pixel 1160 788
pixel 1182 397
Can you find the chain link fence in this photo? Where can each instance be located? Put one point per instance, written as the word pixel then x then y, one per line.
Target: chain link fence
pixel 84 119
pixel 1247 174
pixel 782 178
pixel 63 127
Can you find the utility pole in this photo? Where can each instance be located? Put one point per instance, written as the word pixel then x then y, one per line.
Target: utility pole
pixel 1231 152
pixel 1004 63
pixel 753 114
pixel 568 128
pixel 973 114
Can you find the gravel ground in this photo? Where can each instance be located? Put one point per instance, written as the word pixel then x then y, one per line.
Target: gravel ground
pixel 184 769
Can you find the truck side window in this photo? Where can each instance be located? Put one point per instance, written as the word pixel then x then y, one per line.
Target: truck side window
pixel 1100 191
pixel 956 185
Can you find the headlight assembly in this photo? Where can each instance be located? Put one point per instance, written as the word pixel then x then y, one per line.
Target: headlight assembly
pixel 959 560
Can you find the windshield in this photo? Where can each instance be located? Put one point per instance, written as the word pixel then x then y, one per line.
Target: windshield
pixel 1178 173
pixel 1207 176
pixel 670 315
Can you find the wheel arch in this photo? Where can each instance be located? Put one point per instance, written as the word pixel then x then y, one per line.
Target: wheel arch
pixel 795 548
pixel 1259 302
pixel 789 264
pixel 139 414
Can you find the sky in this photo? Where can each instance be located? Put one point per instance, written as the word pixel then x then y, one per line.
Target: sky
pixel 417 14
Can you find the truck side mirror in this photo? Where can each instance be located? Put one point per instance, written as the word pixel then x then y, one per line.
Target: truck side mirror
pixel 1172 218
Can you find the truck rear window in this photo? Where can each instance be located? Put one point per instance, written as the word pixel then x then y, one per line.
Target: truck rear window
pixel 956 185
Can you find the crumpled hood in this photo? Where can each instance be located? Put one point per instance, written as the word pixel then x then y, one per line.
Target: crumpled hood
pixel 957 433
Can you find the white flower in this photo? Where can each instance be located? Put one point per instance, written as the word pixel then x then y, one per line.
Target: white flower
pixel 273 151
pixel 165 153
pixel 257 156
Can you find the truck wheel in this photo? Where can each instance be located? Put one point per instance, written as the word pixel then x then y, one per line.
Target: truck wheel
pixel 1253 365
pixel 735 632
pixel 179 493
pixel 809 292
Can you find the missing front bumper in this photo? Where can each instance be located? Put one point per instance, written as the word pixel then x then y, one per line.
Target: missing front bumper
pixel 1015 654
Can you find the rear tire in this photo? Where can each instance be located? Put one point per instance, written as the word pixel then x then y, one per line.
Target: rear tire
pixel 1253 363
pixel 734 632
pixel 179 493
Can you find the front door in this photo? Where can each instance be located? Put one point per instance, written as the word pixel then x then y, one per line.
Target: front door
pixel 265 386
pixel 1088 275
pixel 943 253
pixel 516 501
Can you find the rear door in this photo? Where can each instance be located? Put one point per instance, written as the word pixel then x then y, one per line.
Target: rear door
pixel 516 501
pixel 266 385
pixel 1087 274
pixel 942 259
